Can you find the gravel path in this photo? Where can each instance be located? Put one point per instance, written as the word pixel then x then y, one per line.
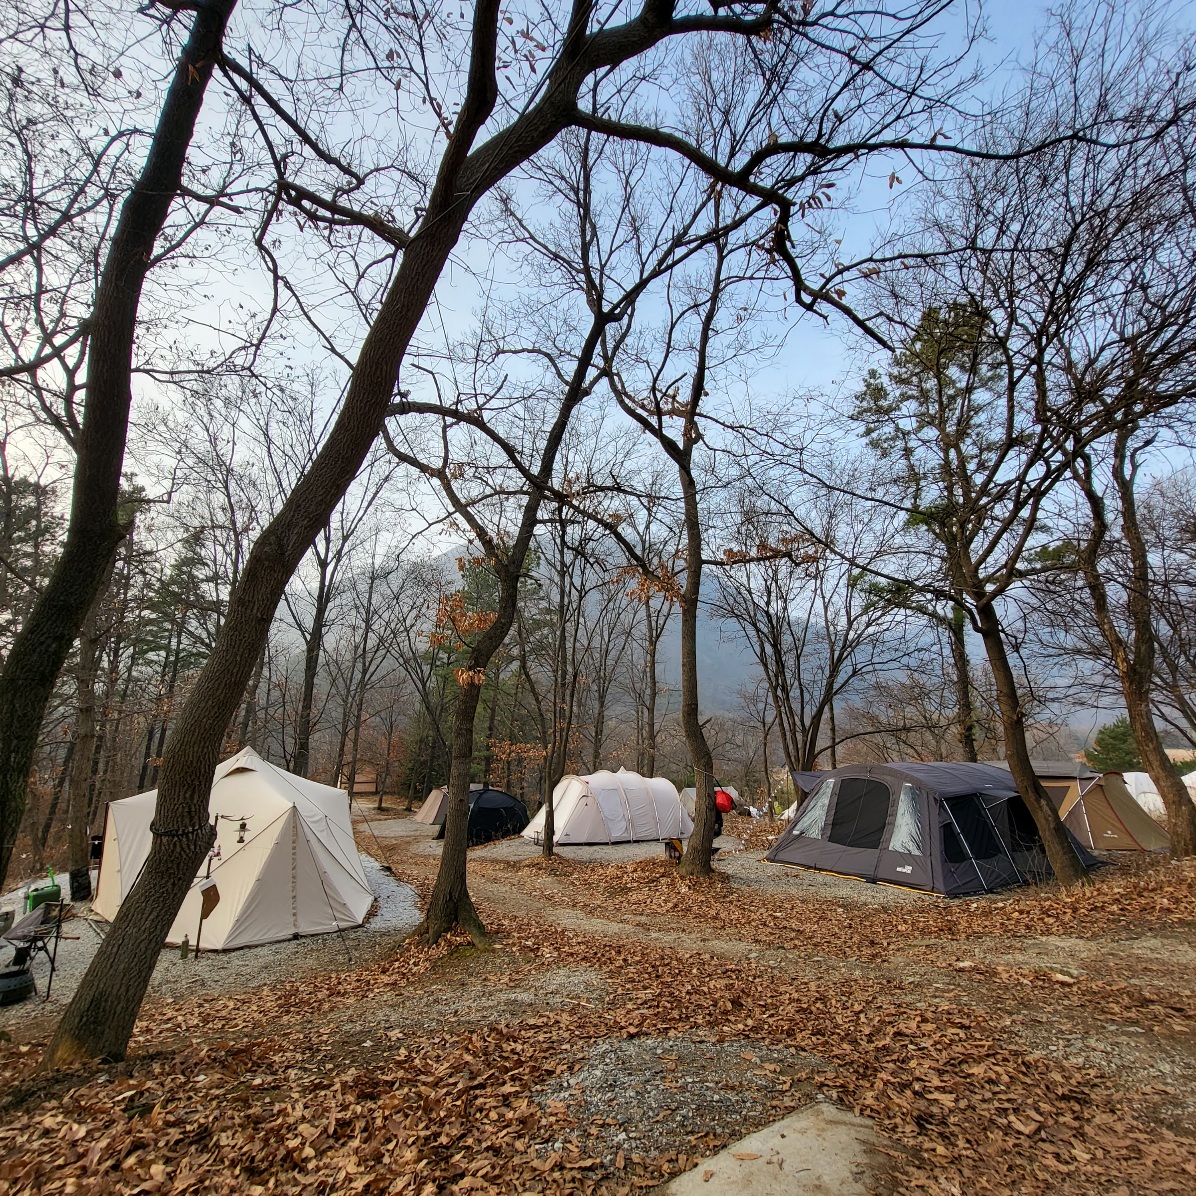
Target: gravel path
pixel 747 868
pixel 518 848
pixel 750 870
pixel 395 914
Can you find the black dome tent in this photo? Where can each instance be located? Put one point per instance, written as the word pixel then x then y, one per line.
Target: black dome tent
pixel 493 814
pixel 956 829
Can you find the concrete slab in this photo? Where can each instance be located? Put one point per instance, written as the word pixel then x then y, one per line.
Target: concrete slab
pixel 817 1151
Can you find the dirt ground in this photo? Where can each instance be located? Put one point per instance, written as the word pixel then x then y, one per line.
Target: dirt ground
pixel 627 1022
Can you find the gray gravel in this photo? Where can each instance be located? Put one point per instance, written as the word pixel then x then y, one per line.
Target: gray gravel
pixel 518 848
pixel 651 1095
pixel 749 869
pixel 395 914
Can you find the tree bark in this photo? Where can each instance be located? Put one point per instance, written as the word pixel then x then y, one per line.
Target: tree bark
pixel 1066 864
pixel 699 849
pixel 1135 660
pixel 311 666
pixel 450 904
pixel 168 701
pixel 84 760
pixel 362 685
pixel 653 691
pixel 965 713
pixel 249 714
pixel 97 524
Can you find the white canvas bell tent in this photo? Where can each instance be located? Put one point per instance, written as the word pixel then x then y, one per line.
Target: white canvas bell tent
pixel 297 872
pixel 613 807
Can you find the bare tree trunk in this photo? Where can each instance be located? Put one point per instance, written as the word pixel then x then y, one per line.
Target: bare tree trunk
pixel 653 690
pixel 168 701
pixel 249 714
pixel 79 785
pixel 549 794
pixel 311 667
pixel 450 904
pixel 84 761
pixel 491 725
pixel 599 729
pixel 363 682
pixel 764 728
pixel 100 1017
pixel 1063 858
pixel 97 524
pixel 39 838
pixel 1135 661
pixel 699 850
pixel 965 714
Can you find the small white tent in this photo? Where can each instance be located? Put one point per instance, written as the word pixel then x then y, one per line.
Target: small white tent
pixel 613 807
pixel 1147 796
pixel 296 873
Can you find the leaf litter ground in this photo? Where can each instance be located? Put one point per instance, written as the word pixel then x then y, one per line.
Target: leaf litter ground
pixel 1037 1042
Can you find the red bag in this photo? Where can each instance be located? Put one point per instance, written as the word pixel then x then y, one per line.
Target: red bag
pixel 722 801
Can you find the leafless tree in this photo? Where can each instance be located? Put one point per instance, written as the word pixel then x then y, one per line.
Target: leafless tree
pixel 61 324
pixel 834 85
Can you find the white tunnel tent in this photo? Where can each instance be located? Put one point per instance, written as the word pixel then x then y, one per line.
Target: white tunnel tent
pixel 296 872
pixel 613 807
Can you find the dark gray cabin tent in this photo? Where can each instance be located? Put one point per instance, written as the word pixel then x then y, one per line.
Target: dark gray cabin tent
pixel 956 829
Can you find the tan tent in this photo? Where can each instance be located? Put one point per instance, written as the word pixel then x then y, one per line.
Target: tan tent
pixel 613 807
pixel 1098 809
pixel 285 863
pixel 430 808
pixel 432 812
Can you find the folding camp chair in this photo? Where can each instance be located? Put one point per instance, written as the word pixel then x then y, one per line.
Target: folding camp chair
pixel 39 933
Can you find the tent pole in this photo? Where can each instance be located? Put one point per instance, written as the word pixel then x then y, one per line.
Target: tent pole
pixel 993 823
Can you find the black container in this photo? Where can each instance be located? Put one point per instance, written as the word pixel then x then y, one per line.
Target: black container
pixel 15 985
pixel 80 884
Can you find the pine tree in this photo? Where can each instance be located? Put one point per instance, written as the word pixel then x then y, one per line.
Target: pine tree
pixel 1113 748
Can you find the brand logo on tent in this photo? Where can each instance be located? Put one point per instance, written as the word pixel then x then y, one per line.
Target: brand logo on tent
pixel 905 868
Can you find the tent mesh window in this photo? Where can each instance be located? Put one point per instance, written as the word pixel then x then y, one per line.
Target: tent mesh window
pixel 812 815
pixel 907 825
pixel 975 827
pixel 953 847
pixel 1026 843
pixel 861 812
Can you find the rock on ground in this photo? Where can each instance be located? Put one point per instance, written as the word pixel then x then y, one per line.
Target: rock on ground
pixel 818 1151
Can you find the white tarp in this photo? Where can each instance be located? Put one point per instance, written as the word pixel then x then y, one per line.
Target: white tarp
pixel 613 807
pixel 298 871
pixel 1147 796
